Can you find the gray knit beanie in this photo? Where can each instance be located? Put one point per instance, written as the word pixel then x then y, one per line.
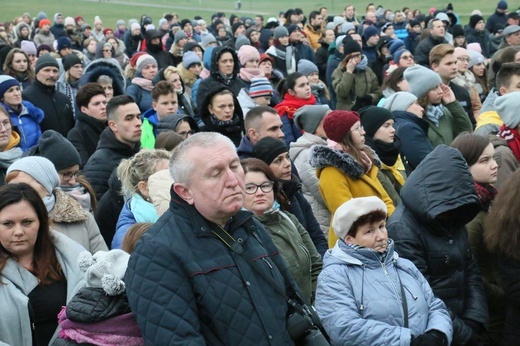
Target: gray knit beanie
pixel 400 101
pixel 280 31
pixel 40 168
pixel 179 35
pixel 308 118
pixel 45 60
pixel 306 67
pixel 58 150
pixel 507 107
pixel 421 79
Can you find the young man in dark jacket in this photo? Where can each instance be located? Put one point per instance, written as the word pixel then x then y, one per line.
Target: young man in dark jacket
pixel 428 228
pixel 187 285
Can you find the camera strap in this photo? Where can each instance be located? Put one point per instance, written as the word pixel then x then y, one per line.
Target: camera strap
pixel 231 243
pixel 403 302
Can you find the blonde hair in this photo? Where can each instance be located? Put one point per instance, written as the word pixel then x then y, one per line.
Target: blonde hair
pixel 139 168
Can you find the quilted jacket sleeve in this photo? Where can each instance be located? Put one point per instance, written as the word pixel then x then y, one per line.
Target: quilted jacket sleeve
pixel 163 318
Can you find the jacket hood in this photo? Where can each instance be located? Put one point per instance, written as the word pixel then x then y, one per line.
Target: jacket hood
pixel 170 122
pixel 215 56
pixel 106 67
pixel 306 141
pixel 206 57
pixel 322 156
pixel 489 102
pixel 441 183
pixel 19 27
pixel 108 140
pixel 342 254
pixel 204 111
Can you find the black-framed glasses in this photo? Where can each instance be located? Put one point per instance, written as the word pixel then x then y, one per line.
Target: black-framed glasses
pixel 266 186
pixel 68 175
pixel 407 57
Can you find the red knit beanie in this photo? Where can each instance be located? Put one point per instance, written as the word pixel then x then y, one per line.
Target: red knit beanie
pixel 337 124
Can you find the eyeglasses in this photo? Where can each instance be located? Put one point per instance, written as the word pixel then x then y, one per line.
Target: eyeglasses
pixel 359 129
pixel 266 187
pixel 6 124
pixel 186 133
pixel 463 59
pixel 68 176
pixel 407 57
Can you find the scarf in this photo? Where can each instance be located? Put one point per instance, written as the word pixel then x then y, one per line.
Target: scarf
pixel 144 83
pixel 286 53
pixel 291 104
pixel 466 80
pixel 434 114
pixel 387 152
pixel 247 73
pixel 226 126
pixel 80 194
pixel 513 139
pixel 9 156
pixel 486 193
pixel 143 210
pixel 363 64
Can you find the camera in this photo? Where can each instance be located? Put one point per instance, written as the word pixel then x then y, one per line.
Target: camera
pixel 303 331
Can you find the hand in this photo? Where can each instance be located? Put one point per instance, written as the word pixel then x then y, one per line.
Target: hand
pixel 447 94
pixel 351 65
pixel 431 338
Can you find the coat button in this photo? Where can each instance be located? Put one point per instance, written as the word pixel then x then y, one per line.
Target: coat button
pixel 203 229
pixel 270 337
pixel 248 283
pixel 240 240
pixel 451 241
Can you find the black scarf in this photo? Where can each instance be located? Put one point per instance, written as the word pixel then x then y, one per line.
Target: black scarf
pixel 226 126
pixel 387 152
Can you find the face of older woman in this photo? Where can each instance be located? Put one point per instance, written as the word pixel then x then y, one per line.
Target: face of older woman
pixel 222 107
pixel 371 235
pixel 19 226
pixel 23 177
pixel 262 199
pixel 149 71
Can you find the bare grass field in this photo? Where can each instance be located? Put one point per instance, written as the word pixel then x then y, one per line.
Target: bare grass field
pixel 112 10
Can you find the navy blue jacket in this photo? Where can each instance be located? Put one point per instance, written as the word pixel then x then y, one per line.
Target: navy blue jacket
pixel 413 133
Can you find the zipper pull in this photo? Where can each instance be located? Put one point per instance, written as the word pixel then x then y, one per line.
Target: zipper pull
pixel 266 261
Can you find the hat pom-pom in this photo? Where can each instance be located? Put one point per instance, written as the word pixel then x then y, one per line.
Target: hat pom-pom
pixel 112 285
pixel 85 260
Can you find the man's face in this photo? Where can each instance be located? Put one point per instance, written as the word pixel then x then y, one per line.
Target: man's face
pixel 357 38
pixel 371 16
pixel 166 104
pixel 447 67
pixel 48 76
pixel 66 51
pixel 240 30
pixel 372 41
pixel 398 17
pixel 188 28
pixel 216 187
pixel 59 20
pixel 271 126
pixel 514 85
pixel 513 39
pixel 480 26
pixel 295 36
pixel 317 20
pixel 136 32
pixel 127 127
pixel 438 29
pixel 97 107
pixel 259 22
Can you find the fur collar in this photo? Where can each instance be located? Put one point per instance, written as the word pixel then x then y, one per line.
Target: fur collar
pixel 67 209
pixel 322 156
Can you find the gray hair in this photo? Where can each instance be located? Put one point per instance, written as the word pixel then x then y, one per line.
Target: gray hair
pixel 139 168
pixel 182 165
pixel 104 79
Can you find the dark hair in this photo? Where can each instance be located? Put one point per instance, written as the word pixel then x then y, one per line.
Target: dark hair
pixel 163 88
pixel 471 146
pixel 133 234
pixel 259 166
pixel 506 72
pixel 8 64
pixel 288 83
pixel 393 79
pixel 507 55
pixel 45 263
pixel 373 216
pixel 81 180
pixel 313 14
pixel 87 92
pixel 501 231
pixel 114 104
pixel 168 140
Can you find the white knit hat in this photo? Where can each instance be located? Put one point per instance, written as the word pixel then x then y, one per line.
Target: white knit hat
pixel 352 210
pixel 105 269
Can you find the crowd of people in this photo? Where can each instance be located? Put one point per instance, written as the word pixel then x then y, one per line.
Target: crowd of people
pixel 344 179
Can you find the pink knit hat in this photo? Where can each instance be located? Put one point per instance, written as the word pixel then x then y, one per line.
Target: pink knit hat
pixel 247 53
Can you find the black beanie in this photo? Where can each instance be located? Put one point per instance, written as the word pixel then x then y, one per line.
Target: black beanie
pixel 473 20
pixel 69 61
pixel 372 118
pixel 350 46
pixel 58 150
pixel 268 148
pixel 458 31
pixel 235 26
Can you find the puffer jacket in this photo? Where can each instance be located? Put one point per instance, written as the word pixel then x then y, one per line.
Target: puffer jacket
pixel 215 78
pixel 413 133
pixel 359 298
pixel 85 136
pixel 349 86
pixel 296 247
pixel 15 324
pixel 482 38
pixel 106 158
pixel 300 153
pixel 27 123
pixel 69 217
pixel 92 304
pixel 441 249
pixel 342 178
pixel 211 295
pixel 141 96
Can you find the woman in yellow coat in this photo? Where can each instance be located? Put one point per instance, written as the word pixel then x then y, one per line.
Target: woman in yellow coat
pixel 348 168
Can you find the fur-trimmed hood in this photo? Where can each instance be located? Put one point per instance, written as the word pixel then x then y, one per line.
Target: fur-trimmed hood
pixel 322 156
pixel 67 209
pixel 108 67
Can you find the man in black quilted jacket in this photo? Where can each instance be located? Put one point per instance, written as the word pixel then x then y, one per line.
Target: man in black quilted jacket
pixel 185 284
